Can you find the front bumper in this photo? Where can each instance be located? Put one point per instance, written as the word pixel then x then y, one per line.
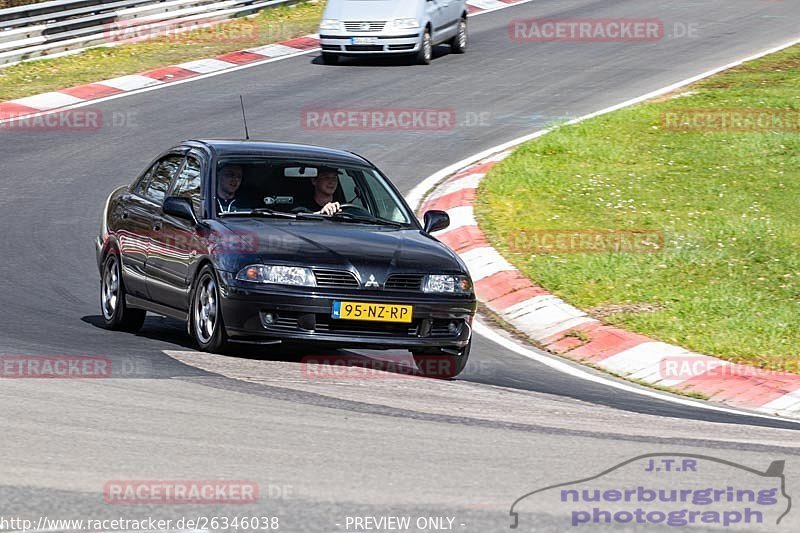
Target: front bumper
pixel 341 43
pixel 437 322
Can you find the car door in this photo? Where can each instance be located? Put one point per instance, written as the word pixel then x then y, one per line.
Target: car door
pixel 437 14
pixel 453 10
pixel 457 8
pixel 174 244
pixel 133 218
pixel 160 182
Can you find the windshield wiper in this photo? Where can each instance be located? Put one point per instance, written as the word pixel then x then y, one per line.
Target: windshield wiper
pixel 347 217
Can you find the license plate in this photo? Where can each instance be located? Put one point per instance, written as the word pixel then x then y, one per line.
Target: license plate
pixel 363 40
pixel 372 312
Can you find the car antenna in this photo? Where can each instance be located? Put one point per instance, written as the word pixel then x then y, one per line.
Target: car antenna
pixel 244 117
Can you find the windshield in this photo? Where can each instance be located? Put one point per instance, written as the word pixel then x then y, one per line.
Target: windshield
pixel 260 186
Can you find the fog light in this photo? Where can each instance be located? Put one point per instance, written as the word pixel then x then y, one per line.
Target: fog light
pixel 267 319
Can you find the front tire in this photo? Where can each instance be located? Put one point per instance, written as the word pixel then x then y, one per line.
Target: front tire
pixel 206 324
pixel 425 54
pixel 459 43
pixel 442 365
pixel 116 313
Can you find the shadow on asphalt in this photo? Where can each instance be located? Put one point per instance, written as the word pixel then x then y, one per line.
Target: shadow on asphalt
pixel 382 61
pixel 173 331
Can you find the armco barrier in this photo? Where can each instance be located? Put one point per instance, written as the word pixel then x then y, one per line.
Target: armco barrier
pixel 63 26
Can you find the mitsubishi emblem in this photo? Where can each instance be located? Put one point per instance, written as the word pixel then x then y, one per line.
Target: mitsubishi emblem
pixel 371 283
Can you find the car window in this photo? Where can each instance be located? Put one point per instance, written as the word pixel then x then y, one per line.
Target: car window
pixel 188 183
pixel 352 193
pixel 162 177
pixel 280 185
pixel 386 202
pixel 141 184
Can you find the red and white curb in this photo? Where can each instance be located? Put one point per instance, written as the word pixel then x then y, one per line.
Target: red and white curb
pixel 76 96
pixel 39 103
pixel 567 331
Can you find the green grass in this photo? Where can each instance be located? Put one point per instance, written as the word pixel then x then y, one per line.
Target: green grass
pixel 726 281
pixel 268 26
pixel 16 3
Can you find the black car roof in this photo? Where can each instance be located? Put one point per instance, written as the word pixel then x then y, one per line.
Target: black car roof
pixel 226 148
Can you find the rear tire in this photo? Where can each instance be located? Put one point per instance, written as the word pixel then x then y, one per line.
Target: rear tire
pixel 439 365
pixel 205 314
pixel 425 54
pixel 330 59
pixel 458 44
pixel 116 314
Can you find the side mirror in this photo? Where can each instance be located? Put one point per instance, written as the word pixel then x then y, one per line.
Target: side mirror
pixel 436 221
pixel 180 208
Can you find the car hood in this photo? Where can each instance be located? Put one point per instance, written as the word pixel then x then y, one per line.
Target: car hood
pixel 363 10
pixel 368 250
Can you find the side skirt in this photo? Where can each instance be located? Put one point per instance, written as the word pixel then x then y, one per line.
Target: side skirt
pixel 141 303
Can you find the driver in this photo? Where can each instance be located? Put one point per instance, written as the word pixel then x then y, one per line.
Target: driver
pixel 325 185
pixel 229 179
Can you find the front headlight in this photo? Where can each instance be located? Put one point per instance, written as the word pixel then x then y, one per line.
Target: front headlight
pixel 279 275
pixel 330 24
pixel 447 284
pixel 405 24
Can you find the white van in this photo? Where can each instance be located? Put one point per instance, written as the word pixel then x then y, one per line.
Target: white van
pixel 413 27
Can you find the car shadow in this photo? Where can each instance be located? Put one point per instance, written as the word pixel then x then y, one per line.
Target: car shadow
pixel 168 330
pixel 381 61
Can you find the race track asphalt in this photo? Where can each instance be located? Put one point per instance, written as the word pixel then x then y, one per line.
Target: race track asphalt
pixel 324 450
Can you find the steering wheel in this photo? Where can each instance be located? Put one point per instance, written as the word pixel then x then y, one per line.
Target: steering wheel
pixel 353 207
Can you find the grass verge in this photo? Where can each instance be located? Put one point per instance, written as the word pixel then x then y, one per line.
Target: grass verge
pixel 677 218
pixel 268 26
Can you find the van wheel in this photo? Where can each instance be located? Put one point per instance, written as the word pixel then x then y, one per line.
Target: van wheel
pixel 330 59
pixel 425 54
pixel 459 43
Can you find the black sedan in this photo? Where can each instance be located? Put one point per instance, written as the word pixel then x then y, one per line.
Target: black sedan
pixel 262 243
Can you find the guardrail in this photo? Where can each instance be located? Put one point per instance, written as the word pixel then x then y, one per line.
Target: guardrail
pixel 68 26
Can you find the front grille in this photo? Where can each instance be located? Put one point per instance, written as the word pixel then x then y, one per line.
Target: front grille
pixel 284 321
pixel 364 48
pixel 349 327
pixel 365 26
pixel 294 322
pixel 335 279
pixel 404 282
